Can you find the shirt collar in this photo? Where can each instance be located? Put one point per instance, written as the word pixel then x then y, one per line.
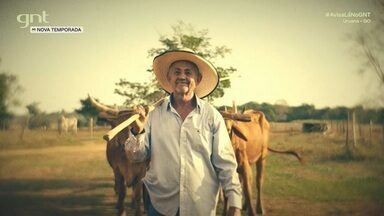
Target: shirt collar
pixel 197 99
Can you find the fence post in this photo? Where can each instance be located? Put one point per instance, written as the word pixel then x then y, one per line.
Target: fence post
pixel 91 126
pixel 346 139
pixel 24 127
pixel 361 132
pixel 370 132
pixel 354 128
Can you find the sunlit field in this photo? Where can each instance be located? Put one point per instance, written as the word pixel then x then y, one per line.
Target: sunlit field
pixel 47 174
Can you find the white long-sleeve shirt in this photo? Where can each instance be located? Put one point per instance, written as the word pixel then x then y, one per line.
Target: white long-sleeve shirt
pixel 189 160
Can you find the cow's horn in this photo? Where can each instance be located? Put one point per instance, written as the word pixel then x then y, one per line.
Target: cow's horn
pixel 102 107
pixel 243 109
pixel 234 107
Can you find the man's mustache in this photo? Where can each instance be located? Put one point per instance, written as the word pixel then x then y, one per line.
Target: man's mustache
pixel 182 81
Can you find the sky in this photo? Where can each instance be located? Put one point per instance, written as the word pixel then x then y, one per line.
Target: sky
pixel 294 51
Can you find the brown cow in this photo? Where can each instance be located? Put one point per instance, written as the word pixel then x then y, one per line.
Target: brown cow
pixel 249 133
pixel 126 173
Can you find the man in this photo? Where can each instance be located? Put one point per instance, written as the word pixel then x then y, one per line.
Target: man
pixel 187 142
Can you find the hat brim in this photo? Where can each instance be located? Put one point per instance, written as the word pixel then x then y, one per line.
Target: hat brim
pixel 210 77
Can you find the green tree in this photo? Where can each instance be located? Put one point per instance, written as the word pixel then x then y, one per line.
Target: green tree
pixel 266 108
pixel 37 118
pixel 370 45
pixel 380 116
pixel 371 42
pixel 184 36
pixel 322 113
pixel 338 113
pixel 9 90
pixel 87 111
pixel 304 111
pixel 33 109
pixel 137 93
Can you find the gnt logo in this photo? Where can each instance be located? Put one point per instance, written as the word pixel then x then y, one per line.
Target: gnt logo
pixel 27 19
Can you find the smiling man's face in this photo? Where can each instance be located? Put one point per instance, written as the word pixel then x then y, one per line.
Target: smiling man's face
pixel 183 76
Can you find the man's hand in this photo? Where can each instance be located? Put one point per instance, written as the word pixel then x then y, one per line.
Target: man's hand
pixel 138 125
pixel 233 211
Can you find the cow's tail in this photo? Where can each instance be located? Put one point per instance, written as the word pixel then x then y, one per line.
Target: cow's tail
pixel 291 152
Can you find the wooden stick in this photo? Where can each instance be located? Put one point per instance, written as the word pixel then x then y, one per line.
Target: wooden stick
pixel 236 116
pixel 112 133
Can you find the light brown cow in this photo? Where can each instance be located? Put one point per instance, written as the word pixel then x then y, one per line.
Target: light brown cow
pixel 249 133
pixel 126 173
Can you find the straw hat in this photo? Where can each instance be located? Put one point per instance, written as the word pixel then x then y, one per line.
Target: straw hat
pixel 210 78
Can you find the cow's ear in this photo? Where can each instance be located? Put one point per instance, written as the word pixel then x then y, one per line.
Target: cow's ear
pixel 237 131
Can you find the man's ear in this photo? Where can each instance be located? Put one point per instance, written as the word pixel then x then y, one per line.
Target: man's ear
pixel 199 78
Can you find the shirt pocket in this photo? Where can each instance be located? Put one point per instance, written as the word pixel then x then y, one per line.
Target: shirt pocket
pixel 201 141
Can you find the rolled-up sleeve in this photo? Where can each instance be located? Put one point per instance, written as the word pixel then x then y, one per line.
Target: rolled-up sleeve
pixel 138 146
pixel 224 161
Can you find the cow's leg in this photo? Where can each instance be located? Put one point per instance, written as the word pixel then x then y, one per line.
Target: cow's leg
pixel 137 192
pixel 120 189
pixel 260 166
pixel 247 185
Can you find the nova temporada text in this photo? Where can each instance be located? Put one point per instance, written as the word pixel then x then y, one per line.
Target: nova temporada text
pixel 56 29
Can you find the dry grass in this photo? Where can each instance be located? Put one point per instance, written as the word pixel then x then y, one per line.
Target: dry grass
pixel 45 174
pixel 333 181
